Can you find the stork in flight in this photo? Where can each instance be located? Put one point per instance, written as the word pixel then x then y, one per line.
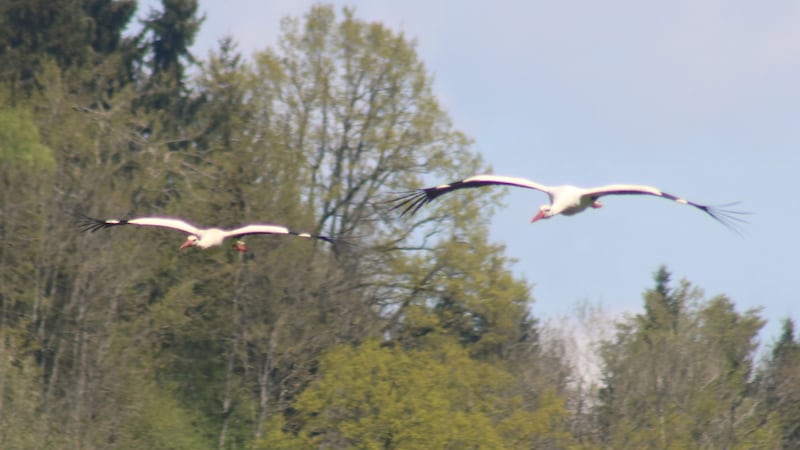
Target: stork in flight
pixel 566 200
pixel 199 237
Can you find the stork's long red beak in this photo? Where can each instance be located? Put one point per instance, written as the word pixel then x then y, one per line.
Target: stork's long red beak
pixel 538 216
pixel 186 244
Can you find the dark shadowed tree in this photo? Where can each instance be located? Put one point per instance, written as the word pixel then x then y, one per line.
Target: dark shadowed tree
pixel 782 384
pixel 166 38
pixel 75 34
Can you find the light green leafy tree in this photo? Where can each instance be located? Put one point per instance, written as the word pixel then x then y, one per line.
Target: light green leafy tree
pixel 26 169
pixel 21 147
pixel 381 396
pixel 313 134
pixel 317 134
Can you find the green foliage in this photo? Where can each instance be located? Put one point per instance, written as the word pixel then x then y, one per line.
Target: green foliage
pixel 150 415
pixel 418 336
pixel 172 33
pixel 686 382
pixel 352 101
pixel 74 34
pixel 21 147
pixel 154 419
pixel 378 396
pixel 467 291
pixel 20 399
pixel 663 308
pixel 781 385
pixel 167 36
pixel 26 169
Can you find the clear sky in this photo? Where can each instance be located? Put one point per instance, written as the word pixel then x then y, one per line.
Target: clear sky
pixel 700 99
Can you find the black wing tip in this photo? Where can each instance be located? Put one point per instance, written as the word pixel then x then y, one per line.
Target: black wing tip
pixel 401 195
pixel 410 202
pixel 90 224
pixel 731 219
pixel 327 239
pixel 343 243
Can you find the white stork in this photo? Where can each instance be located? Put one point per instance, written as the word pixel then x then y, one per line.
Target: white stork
pixel 199 237
pixel 566 200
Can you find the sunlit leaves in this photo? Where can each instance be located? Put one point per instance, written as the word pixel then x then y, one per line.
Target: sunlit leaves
pixel 377 396
pixel 21 147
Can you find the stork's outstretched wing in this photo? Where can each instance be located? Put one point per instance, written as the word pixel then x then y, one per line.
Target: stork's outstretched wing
pixel 412 201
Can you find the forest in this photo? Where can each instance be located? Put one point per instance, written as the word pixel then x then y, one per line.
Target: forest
pixel 417 334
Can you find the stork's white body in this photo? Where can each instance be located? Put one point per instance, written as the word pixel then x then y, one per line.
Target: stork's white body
pixel 211 237
pixel 568 200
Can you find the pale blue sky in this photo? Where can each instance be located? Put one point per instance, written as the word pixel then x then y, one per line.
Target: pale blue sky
pixel 698 98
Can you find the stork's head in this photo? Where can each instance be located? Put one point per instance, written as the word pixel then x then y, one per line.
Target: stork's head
pixel 544 213
pixel 239 246
pixel 191 241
